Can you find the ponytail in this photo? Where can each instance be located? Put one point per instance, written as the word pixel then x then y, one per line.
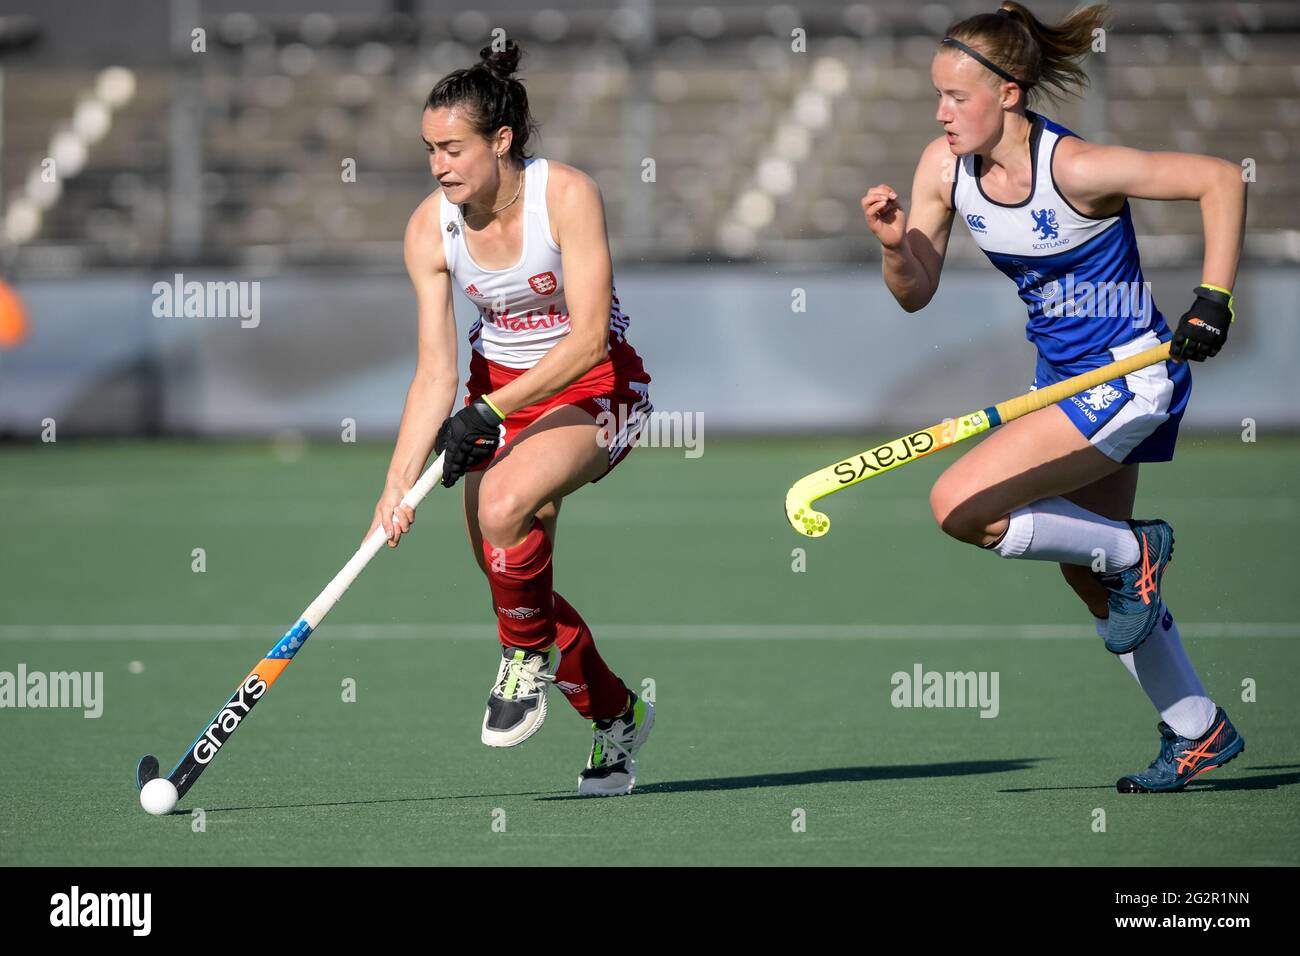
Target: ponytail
pixel 1039 58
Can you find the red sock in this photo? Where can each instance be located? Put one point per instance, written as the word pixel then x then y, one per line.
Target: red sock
pixel 520 578
pixel 583 676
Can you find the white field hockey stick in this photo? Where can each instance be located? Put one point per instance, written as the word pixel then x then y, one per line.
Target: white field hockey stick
pixel 843 474
pixel 251 689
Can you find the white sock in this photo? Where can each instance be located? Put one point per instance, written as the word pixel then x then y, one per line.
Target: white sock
pixel 1056 529
pixel 1162 669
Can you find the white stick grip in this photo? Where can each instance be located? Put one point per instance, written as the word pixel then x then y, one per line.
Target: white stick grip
pixel 326 600
pixel 432 475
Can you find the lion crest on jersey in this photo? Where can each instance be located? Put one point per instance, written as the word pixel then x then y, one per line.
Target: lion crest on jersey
pixel 1045 223
pixel 1100 397
pixel 543 283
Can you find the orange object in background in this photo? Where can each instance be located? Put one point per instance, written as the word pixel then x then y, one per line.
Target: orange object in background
pixel 13 318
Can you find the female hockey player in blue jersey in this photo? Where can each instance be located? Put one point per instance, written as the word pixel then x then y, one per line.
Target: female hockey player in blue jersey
pixel 1051 212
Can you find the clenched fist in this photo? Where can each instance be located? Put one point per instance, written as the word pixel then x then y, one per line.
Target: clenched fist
pixel 885 217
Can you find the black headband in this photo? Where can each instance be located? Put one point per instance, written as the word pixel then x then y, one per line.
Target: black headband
pixel 981 58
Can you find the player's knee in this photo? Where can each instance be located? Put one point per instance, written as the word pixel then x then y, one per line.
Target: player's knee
pixel 940 506
pixel 954 520
pixel 962 528
pixel 502 513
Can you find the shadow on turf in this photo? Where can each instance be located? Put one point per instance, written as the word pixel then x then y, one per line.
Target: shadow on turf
pixel 801 777
pixel 363 803
pixel 830 775
pixel 1206 784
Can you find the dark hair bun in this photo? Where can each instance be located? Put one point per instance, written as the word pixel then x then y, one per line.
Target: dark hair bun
pixel 502 63
pixel 494 96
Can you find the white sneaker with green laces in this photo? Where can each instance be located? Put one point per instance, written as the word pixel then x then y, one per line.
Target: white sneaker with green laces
pixel 516 706
pixel 611 768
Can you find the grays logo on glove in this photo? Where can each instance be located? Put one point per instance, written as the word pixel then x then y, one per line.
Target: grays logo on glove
pixel 470 436
pixel 1204 327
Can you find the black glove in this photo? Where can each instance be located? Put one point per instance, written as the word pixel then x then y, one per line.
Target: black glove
pixel 470 436
pixel 1204 327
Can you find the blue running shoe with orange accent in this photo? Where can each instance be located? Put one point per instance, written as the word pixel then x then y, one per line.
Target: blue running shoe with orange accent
pixel 1135 592
pixel 1182 760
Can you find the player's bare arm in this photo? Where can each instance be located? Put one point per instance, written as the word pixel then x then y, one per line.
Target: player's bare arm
pixel 913 244
pixel 1103 176
pixel 1100 177
pixel 433 387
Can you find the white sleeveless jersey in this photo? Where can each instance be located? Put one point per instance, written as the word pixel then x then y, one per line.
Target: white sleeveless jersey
pixel 522 311
pixel 1079 276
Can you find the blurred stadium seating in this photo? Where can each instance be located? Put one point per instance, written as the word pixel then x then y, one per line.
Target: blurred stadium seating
pixel 233 156
pixel 227 165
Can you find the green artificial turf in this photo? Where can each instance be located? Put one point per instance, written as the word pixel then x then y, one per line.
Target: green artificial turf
pixel 772 685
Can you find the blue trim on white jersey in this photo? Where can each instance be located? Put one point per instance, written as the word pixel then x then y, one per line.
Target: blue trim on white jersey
pixel 1079 276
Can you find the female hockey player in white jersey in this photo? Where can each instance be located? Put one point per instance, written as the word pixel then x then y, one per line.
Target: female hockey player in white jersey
pixel 556 395
pixel 1051 212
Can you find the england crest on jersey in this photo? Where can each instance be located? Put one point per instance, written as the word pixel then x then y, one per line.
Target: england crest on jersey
pixel 544 283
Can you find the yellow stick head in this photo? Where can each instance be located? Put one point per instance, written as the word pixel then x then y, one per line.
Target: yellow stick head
pixel 801 514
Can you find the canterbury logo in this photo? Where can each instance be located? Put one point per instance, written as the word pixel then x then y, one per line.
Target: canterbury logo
pixel 976 223
pixel 519 613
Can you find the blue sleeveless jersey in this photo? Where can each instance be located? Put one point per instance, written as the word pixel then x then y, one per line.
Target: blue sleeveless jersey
pixel 1079 276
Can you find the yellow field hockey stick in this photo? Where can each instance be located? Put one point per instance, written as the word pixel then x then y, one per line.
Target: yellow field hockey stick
pixel 874 461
